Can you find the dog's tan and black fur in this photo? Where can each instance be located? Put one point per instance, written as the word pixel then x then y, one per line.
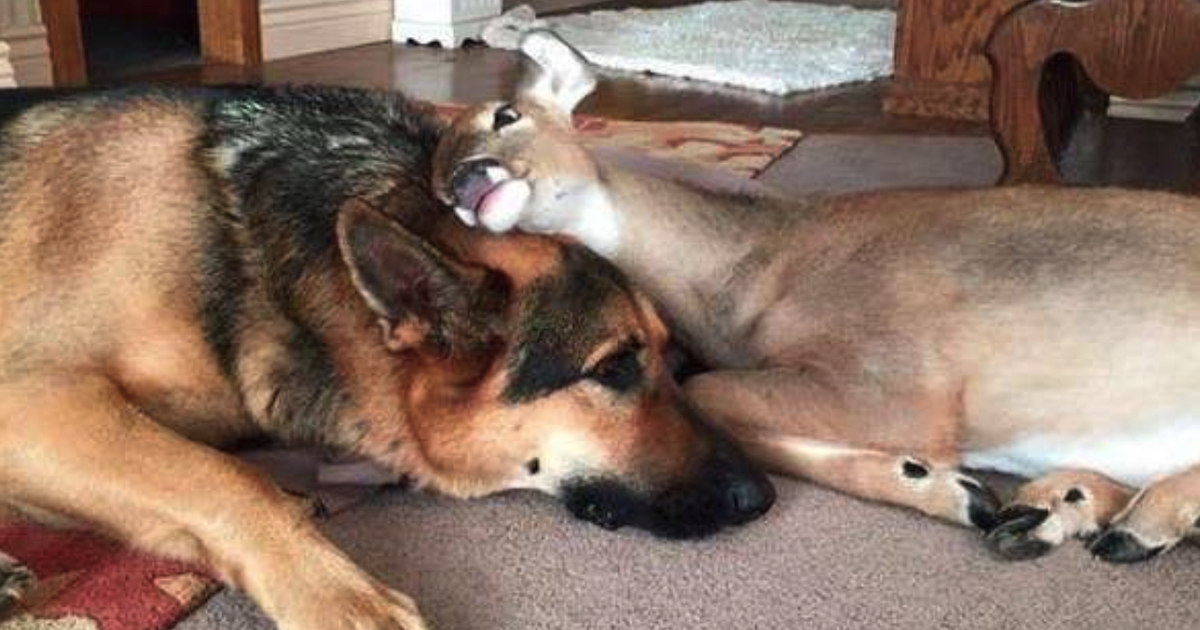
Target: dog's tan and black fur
pixel 184 269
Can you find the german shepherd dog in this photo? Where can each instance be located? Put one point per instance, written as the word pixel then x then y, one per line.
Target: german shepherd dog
pixel 185 269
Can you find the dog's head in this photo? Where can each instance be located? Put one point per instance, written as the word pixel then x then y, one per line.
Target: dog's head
pixel 533 364
pixel 518 163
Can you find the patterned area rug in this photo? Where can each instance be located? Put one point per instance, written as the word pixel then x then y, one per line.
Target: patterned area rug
pixel 88 582
pixel 742 149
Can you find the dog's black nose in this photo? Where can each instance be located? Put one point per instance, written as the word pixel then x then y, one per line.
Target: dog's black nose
pixel 749 498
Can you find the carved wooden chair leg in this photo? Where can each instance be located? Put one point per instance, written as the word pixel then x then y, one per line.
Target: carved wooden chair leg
pixel 1016 112
pixel 1047 55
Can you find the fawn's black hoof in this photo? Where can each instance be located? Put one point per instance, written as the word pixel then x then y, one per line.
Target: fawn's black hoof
pixel 1011 538
pixel 1115 545
pixel 982 505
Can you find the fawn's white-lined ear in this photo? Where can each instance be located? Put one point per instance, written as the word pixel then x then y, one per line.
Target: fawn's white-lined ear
pixel 559 76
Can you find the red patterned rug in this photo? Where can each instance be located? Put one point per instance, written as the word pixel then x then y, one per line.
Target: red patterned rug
pixel 743 149
pixel 87 582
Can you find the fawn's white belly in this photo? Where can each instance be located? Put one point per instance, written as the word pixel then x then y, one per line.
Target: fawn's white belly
pixel 1133 457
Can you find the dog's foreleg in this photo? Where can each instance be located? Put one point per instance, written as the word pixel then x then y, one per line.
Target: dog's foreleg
pixel 1155 520
pixel 1054 508
pixel 75 446
pixel 793 424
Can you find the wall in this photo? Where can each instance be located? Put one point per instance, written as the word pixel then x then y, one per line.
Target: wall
pixel 21 27
pixel 298 27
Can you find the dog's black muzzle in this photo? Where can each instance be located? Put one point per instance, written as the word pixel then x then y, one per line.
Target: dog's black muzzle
pixel 720 497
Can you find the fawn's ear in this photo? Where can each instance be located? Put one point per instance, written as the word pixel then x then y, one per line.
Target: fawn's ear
pixel 414 289
pixel 558 77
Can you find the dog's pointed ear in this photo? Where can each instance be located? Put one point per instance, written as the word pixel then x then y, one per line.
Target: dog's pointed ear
pixel 406 281
pixel 557 75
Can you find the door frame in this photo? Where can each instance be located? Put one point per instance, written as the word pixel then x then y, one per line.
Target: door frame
pixel 230 32
pixel 65 39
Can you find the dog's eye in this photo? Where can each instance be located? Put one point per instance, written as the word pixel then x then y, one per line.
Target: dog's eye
pixel 504 117
pixel 620 371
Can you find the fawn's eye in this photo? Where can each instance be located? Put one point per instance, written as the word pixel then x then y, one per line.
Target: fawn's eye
pixel 505 115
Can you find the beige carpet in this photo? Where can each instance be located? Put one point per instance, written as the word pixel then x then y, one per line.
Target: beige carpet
pixel 818 561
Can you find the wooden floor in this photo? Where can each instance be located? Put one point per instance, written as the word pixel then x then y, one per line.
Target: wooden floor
pixel 476 74
pixel 1105 152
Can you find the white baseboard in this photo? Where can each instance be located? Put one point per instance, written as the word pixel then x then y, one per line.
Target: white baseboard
pixel 6 69
pixel 29 55
pixel 449 35
pixel 1174 107
pixel 300 27
pixel 448 22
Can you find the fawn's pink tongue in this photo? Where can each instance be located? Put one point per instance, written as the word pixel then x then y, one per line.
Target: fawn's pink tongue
pixel 501 207
pixel 499 196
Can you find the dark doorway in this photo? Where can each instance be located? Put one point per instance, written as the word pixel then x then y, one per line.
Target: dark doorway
pixel 123 37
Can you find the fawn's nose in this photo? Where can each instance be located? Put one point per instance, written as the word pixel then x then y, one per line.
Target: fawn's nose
pixel 472 180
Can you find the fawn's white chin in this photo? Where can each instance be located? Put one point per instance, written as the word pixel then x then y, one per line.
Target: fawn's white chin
pixel 467 216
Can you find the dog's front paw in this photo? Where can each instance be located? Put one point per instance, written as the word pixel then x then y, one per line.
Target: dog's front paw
pixel 375 608
pixel 319 588
pixel 385 609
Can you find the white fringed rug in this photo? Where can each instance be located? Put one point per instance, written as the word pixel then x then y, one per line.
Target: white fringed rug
pixel 776 47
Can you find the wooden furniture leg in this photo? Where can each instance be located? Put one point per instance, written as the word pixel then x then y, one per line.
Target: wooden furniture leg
pixel 1131 48
pixel 65 38
pixel 230 31
pixel 940 68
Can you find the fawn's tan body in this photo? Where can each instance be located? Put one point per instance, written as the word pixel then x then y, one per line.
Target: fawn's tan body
pixel 876 342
